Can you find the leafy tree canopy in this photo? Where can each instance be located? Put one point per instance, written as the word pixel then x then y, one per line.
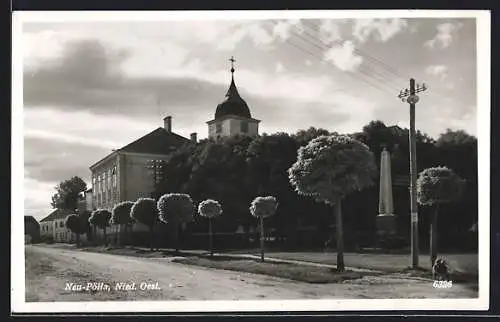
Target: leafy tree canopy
pixel 145 211
pixel 269 158
pixel 263 206
pixel 452 138
pixel 67 192
pixel 438 185
pixel 330 167
pixel 121 213
pixel 209 208
pixel 100 218
pixel 176 208
pixel 75 224
pixel 305 136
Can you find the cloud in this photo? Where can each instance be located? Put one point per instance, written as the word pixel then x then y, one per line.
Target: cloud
pixel 283 29
pixel 444 36
pixel 89 76
pixel 329 31
pixel 450 86
pixel 343 56
pixel 84 127
pixel 280 68
pixel 440 71
pixel 413 28
pixel 263 34
pixel 91 80
pixel 383 29
pixel 37 197
pixel 447 116
pixel 49 160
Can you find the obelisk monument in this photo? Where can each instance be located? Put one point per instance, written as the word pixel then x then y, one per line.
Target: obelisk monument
pixel 386 220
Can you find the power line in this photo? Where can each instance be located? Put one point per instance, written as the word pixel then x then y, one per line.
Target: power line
pixel 367 74
pixel 375 60
pixel 370 72
pixel 375 85
pixel 386 67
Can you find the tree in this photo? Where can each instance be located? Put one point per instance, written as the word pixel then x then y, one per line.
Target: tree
pixel 328 169
pixel 145 211
pixel 263 207
pixel 175 172
pixel 85 215
pixel 100 218
pixel 210 209
pixel 176 209
pixel 121 216
pixel 219 171
pixel 435 186
pixel 269 158
pixel 76 225
pixel 454 138
pixel 67 193
pixel 305 136
pixel 458 150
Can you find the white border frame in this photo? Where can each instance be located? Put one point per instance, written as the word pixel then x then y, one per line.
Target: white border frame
pixel 18 304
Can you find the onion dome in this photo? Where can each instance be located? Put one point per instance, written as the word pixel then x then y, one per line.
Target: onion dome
pixel 233 103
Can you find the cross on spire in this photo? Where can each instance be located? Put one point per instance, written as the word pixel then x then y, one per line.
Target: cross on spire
pixel 232 63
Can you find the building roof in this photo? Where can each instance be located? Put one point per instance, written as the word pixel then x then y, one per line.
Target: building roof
pixel 159 141
pixel 57 214
pixel 30 219
pixel 233 104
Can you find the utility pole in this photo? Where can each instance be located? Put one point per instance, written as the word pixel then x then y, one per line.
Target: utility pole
pixel 410 97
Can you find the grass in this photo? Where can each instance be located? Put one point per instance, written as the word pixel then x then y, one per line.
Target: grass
pixel 464 265
pixel 461 263
pixel 296 272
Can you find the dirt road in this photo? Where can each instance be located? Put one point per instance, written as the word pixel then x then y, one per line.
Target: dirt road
pixel 54 274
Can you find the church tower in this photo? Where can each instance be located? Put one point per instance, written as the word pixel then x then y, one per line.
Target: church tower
pixel 232 116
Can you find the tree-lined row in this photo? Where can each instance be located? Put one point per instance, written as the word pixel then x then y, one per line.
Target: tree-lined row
pixel 174 209
pixel 328 168
pixel 337 170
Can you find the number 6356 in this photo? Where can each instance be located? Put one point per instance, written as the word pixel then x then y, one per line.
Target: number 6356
pixel 442 284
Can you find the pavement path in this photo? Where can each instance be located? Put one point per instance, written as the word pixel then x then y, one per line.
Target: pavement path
pixel 49 270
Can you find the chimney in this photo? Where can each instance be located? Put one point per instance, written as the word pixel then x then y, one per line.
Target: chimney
pixel 167 123
pixel 193 137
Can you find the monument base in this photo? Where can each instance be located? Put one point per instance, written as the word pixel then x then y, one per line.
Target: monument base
pixel 386 224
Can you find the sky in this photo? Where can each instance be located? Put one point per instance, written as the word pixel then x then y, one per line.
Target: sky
pixel 90 87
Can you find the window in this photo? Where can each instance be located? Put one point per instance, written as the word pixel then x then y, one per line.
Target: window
pixel 61 224
pixel 218 128
pixel 114 176
pixel 244 127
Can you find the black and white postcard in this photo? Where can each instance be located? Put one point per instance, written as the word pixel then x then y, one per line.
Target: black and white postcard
pixel 234 161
